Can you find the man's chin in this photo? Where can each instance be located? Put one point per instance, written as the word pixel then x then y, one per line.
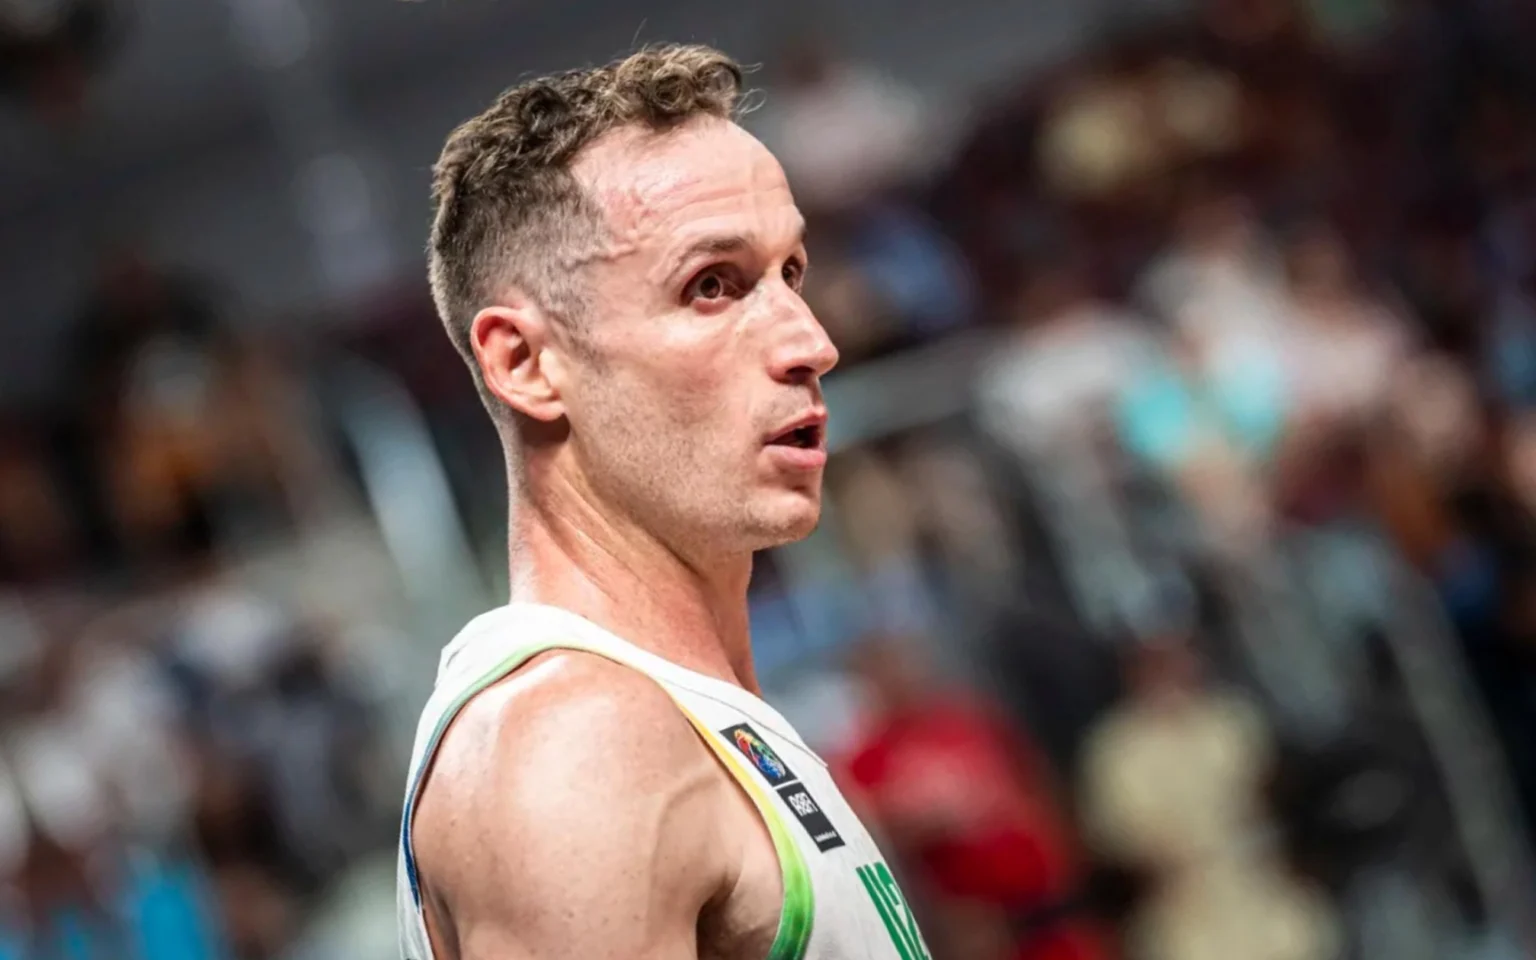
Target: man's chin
pixel 787 525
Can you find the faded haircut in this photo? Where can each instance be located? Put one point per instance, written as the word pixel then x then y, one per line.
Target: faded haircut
pixel 506 209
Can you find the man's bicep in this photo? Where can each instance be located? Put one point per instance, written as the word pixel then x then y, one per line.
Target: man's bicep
pixel 588 899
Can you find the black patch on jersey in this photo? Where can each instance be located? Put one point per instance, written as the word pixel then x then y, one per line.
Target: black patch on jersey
pixel 759 754
pixel 809 813
pixel 790 789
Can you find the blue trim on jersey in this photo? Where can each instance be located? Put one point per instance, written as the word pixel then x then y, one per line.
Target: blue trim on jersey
pixel 496 673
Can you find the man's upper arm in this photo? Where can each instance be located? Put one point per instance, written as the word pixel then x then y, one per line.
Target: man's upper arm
pixel 572 813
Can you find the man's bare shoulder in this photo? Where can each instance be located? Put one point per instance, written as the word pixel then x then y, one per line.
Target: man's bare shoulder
pixel 572 771
pixel 566 719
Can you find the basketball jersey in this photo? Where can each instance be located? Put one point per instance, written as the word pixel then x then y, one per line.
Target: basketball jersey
pixel 840 899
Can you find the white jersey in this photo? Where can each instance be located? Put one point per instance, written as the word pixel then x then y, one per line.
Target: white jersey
pixel 840 900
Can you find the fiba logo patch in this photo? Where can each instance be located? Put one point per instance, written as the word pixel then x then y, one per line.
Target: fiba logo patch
pixel 762 756
pixel 756 749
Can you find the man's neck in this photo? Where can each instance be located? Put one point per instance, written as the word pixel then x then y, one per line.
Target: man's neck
pixel 568 553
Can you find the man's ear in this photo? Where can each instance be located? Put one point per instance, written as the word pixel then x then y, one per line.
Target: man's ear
pixel 511 343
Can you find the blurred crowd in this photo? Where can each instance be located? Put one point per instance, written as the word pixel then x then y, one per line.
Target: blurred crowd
pixel 1238 515
pixel 1176 593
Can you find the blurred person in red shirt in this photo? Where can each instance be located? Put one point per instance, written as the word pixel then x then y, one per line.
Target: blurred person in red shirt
pixel 968 804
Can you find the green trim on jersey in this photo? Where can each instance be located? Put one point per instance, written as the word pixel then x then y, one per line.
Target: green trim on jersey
pixel 799 910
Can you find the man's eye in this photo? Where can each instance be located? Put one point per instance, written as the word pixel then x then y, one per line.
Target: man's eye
pixel 711 285
pixel 794 274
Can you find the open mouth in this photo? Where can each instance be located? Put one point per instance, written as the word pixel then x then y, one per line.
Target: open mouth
pixel 805 438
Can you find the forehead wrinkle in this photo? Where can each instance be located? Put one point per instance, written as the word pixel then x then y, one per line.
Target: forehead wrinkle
pixel 652 186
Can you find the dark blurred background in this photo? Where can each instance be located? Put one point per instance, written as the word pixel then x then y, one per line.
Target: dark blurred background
pixel 1176 594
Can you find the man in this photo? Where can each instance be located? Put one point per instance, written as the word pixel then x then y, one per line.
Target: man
pixel 595 775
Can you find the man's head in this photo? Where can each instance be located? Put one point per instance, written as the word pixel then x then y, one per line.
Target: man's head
pixel 620 264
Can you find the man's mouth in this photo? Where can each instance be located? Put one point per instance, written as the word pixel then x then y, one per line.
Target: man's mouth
pixel 807 437
pixel 808 432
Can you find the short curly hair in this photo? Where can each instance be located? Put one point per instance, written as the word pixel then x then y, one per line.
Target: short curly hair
pixel 506 208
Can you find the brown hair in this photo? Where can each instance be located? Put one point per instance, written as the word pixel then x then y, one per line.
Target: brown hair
pixel 506 209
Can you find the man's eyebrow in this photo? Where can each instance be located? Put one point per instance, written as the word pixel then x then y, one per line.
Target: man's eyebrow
pixel 721 244
pixel 717 245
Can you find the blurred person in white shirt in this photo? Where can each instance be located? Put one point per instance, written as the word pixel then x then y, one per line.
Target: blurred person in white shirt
pixel 1066 359
pixel 64 823
pixel 1221 280
pixel 1343 349
pixel 1343 345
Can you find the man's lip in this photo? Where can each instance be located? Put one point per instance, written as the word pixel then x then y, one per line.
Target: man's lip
pixel 816 418
pixel 798 458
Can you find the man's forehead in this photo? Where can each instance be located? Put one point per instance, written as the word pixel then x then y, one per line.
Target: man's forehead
pixel 708 175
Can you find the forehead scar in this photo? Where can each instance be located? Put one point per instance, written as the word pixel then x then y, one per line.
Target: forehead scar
pixel 607 248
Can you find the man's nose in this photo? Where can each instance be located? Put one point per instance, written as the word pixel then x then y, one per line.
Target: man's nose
pixel 803 350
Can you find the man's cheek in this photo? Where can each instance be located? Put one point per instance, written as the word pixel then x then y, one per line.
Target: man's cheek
pixel 698 395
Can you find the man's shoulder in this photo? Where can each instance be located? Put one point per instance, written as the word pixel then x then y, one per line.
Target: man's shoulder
pixel 572 768
pixel 561 710
pixel 566 734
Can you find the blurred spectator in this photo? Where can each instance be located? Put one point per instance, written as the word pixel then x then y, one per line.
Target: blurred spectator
pixel 288 749
pixel 67 821
pixel 1066 359
pixel 1220 283
pixel 880 528
pixel 125 711
pixel 1440 276
pixel 1049 397
pixel 1343 347
pixel 1208 419
pixel 969 804
pixel 133 306
pixel 193 419
pixel 1172 788
pixel 135 393
pixel 1341 355
pixel 1209 415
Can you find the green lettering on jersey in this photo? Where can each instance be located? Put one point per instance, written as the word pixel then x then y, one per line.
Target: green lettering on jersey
pixel 893 909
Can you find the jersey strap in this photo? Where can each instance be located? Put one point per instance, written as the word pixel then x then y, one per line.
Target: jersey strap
pixel 799 907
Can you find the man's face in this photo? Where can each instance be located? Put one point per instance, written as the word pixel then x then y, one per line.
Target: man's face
pixel 701 359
